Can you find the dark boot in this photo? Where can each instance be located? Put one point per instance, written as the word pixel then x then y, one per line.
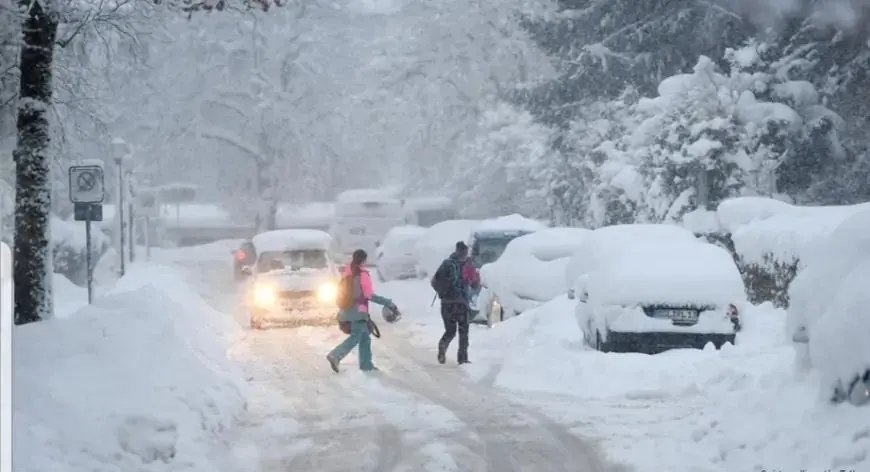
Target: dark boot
pixel 442 358
pixel 332 363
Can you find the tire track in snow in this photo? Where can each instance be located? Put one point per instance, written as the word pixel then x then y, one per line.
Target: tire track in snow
pixel 516 438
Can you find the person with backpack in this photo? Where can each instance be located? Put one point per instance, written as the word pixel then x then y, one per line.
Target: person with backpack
pixel 451 283
pixel 355 291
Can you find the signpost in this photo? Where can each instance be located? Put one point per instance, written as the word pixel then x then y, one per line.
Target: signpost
pixel 146 199
pixel 86 192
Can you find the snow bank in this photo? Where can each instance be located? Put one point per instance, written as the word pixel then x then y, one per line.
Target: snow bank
pixel 740 408
pixel 138 381
pixel 514 222
pixel 68 297
pixel 439 242
pixel 533 267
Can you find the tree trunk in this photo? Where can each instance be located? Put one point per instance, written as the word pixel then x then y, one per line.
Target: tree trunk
pixel 33 263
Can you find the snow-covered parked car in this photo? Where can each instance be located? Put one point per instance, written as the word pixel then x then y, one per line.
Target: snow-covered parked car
pixel 827 314
pixel 395 255
pixel 657 294
pixel 293 281
pixel 438 243
pixel 531 271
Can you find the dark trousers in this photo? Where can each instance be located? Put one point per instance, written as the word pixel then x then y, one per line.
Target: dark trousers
pixel 455 317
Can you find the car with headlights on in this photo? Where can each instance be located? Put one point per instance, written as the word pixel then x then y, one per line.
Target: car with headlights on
pixel 293 280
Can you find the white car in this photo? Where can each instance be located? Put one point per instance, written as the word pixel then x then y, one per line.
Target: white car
pixel 395 255
pixel 827 314
pixel 530 271
pixel 293 280
pixel 652 296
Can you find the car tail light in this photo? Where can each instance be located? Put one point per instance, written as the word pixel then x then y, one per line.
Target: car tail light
pixel 733 312
pixel 240 255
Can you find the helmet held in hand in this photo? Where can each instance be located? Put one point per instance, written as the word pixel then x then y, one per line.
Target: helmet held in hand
pixel 391 314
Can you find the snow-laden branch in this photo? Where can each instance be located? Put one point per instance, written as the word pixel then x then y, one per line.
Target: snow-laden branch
pixel 245 148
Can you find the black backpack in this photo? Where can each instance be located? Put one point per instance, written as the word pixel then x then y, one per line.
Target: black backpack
pixel 345 293
pixel 442 281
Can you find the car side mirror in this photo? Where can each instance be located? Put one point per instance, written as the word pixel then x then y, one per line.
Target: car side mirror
pixel 570 294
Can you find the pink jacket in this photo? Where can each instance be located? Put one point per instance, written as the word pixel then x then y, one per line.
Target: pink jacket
pixel 470 274
pixel 365 281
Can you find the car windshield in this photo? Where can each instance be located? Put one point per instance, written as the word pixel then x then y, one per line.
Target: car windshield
pixel 292 260
pixel 490 249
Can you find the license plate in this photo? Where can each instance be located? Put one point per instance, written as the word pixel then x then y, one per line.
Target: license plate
pixel 680 316
pixel 357 231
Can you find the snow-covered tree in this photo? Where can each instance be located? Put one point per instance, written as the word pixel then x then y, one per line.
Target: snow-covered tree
pixel 502 175
pixel 710 135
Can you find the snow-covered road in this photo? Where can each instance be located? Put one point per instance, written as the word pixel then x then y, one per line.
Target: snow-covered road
pixel 413 415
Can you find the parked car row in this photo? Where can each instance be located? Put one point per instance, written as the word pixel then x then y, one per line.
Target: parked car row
pixel 637 287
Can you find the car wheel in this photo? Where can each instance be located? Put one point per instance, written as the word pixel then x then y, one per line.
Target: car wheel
pixel 600 345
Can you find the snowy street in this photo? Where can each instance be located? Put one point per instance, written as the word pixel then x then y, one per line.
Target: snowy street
pixel 179 382
pixel 413 415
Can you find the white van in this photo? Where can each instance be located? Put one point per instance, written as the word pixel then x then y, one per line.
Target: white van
pixel 428 211
pixel 361 220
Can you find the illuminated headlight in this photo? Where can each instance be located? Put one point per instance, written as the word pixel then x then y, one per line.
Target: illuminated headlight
pixel 327 293
pixel 265 296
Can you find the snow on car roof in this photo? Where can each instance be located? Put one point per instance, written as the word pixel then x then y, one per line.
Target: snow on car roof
pixel 508 223
pixel 291 239
pixel 667 273
pixel 547 244
pixel 602 243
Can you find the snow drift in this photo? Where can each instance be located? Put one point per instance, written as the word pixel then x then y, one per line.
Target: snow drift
pixel 137 381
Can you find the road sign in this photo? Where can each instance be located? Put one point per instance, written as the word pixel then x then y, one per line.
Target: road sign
pixel 86 184
pixel 88 211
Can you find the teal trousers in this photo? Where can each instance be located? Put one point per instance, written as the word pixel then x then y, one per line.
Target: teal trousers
pixel 359 335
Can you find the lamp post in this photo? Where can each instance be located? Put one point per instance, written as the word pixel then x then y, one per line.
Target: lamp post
pixel 121 154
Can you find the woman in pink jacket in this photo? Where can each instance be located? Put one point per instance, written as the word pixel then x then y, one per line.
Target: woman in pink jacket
pixel 358 315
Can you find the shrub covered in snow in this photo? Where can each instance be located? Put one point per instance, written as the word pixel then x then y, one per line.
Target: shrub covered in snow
pixel 768 238
pixel 69 249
